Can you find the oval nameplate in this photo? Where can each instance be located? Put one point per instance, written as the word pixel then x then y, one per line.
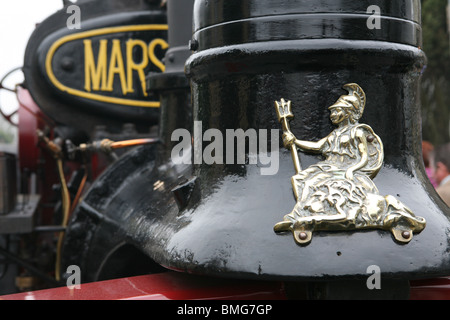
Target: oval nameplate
pixel 108 65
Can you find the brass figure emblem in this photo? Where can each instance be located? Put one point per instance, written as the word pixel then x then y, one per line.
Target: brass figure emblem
pixel 338 193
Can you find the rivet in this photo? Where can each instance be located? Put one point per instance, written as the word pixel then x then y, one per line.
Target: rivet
pixel 67 63
pixel 303 236
pixel 405 234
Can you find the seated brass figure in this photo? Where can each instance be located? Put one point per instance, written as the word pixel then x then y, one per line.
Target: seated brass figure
pixel 338 193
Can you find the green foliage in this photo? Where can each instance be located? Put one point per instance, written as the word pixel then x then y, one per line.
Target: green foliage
pixel 6 134
pixel 435 90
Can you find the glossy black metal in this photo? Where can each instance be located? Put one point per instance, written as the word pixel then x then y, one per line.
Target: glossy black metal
pixel 225 228
pixel 235 83
pixel 172 86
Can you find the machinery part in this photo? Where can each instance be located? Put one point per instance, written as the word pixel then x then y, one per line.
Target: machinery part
pixel 66 205
pixel 88 241
pixel 22 218
pixel 8 184
pixel 33 270
pixel 107 145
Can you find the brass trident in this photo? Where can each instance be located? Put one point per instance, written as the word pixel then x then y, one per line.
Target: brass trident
pixel 284 113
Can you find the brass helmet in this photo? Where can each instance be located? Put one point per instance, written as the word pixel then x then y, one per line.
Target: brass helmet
pixel 355 100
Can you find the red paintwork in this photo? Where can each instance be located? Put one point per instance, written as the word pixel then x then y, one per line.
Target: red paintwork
pixel 29 121
pixel 163 286
pixel 181 286
pixel 430 289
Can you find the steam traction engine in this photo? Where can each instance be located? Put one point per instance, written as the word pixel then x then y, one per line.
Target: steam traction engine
pixel 334 107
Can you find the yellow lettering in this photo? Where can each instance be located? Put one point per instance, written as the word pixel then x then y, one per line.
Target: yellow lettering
pixel 151 51
pixel 92 72
pixel 116 66
pixel 99 75
pixel 139 67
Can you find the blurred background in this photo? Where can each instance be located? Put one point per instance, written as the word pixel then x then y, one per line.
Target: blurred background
pixel 436 78
pixel 19 17
pixel 18 20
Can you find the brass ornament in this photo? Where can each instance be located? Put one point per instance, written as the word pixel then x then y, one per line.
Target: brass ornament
pixel 337 193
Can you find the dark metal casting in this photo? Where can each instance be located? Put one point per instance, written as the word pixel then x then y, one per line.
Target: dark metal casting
pixel 247 55
pixel 92 75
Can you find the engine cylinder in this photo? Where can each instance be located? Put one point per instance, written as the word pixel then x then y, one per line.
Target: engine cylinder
pixel 249 54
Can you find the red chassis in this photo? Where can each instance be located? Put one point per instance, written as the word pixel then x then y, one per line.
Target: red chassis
pixel 180 286
pixel 161 286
